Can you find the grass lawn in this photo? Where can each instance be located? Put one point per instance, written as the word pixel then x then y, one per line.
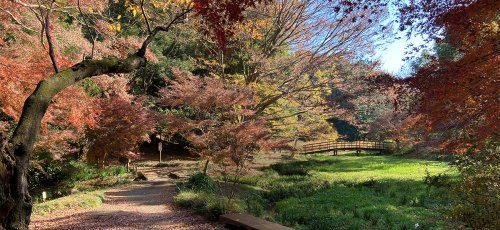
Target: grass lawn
pixel 350 192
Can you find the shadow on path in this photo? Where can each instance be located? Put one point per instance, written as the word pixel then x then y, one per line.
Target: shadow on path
pixel 141 205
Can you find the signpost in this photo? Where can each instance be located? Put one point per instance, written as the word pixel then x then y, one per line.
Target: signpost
pixel 160 147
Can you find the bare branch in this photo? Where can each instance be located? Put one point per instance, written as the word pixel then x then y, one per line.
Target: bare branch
pixel 41 6
pixel 17 21
pixel 142 51
pixel 49 38
pixel 145 17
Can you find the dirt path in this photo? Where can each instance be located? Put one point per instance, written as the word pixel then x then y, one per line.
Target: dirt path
pixel 141 205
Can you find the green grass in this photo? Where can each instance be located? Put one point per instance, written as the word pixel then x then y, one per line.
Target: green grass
pixel 365 192
pixel 208 203
pixel 354 169
pixel 80 200
pixel 355 192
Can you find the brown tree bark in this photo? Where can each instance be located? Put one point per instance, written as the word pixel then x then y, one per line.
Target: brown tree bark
pixel 15 201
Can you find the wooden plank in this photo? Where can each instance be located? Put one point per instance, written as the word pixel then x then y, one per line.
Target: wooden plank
pixel 246 221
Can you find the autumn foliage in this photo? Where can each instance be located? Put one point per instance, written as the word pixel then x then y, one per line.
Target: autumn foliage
pixel 122 125
pixel 215 118
pixel 459 91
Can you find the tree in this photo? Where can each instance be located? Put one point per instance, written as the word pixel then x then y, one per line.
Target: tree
pixel 459 88
pixel 120 128
pixel 15 201
pixel 214 117
pixel 284 50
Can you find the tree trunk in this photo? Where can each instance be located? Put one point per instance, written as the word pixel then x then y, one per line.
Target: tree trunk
pixel 205 168
pixel 15 201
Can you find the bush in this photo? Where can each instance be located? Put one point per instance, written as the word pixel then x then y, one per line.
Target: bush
pixel 82 171
pixel 45 172
pixel 208 203
pixel 200 182
pixel 478 190
pixel 110 171
pixel 58 177
pixel 290 169
pixel 439 180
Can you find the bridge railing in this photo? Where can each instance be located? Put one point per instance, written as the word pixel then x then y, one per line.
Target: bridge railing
pixel 322 146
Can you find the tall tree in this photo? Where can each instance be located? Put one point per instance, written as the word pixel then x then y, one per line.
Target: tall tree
pixel 15 201
pixel 459 86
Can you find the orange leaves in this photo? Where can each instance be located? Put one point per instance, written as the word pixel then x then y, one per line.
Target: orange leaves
pixel 214 117
pixel 121 126
pixel 460 97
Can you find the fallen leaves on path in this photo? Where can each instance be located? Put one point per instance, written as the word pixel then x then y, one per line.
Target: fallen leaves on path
pixel 143 205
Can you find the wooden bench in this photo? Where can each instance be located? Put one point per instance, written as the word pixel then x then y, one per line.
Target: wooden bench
pixel 249 222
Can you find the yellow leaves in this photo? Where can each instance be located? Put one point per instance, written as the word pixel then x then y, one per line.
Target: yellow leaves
pixel 237 79
pixel 490 28
pixel 133 8
pixel 255 28
pixel 264 88
pixel 115 27
pixel 162 4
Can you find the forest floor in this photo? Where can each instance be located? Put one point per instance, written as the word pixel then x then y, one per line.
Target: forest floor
pixel 139 205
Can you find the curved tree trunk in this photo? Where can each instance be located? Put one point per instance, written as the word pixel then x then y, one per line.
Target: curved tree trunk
pixel 15 201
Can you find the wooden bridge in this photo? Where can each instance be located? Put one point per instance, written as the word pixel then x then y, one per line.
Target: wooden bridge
pixel 331 145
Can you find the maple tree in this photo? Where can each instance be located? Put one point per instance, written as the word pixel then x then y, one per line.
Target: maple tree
pixel 290 42
pixel 15 202
pixel 121 126
pixel 215 118
pixel 459 87
pixel 287 62
pixel 377 104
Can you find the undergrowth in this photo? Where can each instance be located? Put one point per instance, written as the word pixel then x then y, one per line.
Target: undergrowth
pixel 338 192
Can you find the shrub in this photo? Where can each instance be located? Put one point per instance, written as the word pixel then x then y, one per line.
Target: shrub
pixel 200 182
pixel 45 172
pixel 207 203
pixel 58 177
pixel 290 169
pixel 82 171
pixel 439 180
pixel 478 190
pixel 114 170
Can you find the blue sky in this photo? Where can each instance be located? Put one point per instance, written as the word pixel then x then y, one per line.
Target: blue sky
pixel 391 52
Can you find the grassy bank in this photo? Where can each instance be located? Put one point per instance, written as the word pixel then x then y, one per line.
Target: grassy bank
pixel 86 181
pixel 344 192
pixel 80 200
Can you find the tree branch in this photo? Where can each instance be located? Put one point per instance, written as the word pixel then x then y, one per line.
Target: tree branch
pixel 17 21
pixel 37 103
pixel 149 39
pixel 49 38
pixel 145 17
